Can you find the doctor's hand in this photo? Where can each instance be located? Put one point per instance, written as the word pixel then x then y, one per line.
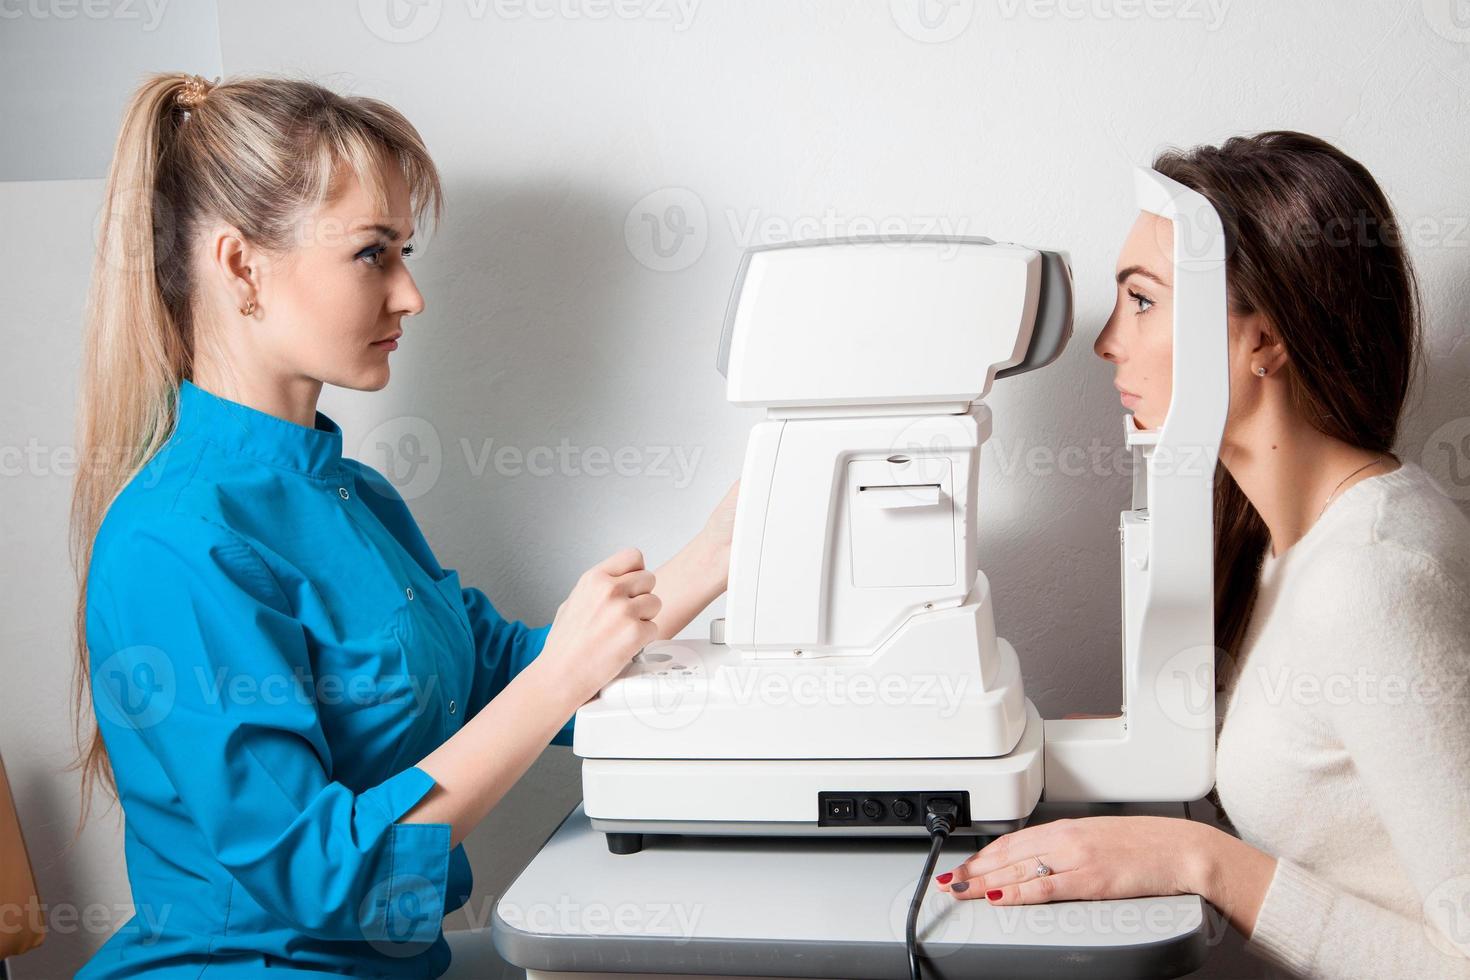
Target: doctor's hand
pixel 1089 858
pixel 604 622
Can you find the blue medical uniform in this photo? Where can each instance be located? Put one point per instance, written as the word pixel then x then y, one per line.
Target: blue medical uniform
pixel 273 649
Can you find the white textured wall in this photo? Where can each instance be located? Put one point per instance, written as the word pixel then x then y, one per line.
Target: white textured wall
pixel 552 316
pixel 69 67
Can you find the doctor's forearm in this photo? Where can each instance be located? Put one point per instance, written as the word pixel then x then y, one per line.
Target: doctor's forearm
pixel 479 764
pixel 688 582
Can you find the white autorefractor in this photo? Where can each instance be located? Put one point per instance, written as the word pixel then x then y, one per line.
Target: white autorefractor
pixel 857 674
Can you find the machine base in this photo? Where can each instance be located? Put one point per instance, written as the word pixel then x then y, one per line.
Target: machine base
pixel 625 843
pixel 780 797
pixel 631 841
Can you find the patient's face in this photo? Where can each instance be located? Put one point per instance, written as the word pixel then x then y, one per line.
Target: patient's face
pixel 1138 339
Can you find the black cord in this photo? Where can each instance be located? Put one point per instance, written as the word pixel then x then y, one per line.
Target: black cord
pixel 939 819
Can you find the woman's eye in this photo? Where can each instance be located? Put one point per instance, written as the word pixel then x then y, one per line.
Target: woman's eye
pixel 371 254
pixel 1143 301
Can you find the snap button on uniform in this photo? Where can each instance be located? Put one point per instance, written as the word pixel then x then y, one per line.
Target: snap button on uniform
pixel 343 492
pixel 451 707
pixel 409 590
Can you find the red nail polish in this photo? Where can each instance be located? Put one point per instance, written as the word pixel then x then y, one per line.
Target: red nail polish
pixel 994 894
pixel 944 878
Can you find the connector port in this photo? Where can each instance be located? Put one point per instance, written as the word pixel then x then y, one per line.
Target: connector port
pixel 897 808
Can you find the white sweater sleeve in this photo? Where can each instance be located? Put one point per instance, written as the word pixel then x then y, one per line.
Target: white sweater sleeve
pixel 1394 630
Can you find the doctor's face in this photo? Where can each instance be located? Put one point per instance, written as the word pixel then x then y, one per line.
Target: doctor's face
pixel 1138 339
pixel 332 307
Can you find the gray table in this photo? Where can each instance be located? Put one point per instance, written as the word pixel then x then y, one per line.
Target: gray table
pixel 806 907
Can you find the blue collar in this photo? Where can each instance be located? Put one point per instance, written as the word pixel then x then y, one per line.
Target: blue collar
pixel 240 429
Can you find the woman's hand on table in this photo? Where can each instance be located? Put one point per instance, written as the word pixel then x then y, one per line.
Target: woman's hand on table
pixel 1089 858
pixel 1094 858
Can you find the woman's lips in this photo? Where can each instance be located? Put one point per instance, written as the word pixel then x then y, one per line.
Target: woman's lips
pixel 390 344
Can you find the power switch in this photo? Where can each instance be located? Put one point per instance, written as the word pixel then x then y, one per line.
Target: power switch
pixel 839 809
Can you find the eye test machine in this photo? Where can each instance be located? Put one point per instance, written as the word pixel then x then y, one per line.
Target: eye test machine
pixel 856 698
pixel 857 675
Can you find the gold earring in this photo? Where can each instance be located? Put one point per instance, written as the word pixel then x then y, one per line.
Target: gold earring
pixel 248 308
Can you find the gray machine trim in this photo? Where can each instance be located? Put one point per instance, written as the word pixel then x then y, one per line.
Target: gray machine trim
pixel 790 828
pixel 1053 317
pixel 844 960
pixel 1176 956
pixel 1053 313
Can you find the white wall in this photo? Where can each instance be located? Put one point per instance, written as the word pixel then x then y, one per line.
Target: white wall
pixel 69 67
pixel 551 316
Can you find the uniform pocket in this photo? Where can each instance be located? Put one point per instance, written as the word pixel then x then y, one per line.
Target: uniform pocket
pixel 438 648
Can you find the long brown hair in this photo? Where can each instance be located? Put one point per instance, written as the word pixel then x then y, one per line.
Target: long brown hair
pixel 259 153
pixel 1314 247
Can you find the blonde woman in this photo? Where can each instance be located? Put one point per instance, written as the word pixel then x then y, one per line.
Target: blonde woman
pixel 302 712
pixel 1342 595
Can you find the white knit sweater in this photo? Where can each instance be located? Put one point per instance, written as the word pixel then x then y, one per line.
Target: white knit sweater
pixel 1344 746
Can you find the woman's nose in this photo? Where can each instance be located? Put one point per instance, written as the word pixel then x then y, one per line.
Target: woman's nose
pixel 1105 345
pixel 408 300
